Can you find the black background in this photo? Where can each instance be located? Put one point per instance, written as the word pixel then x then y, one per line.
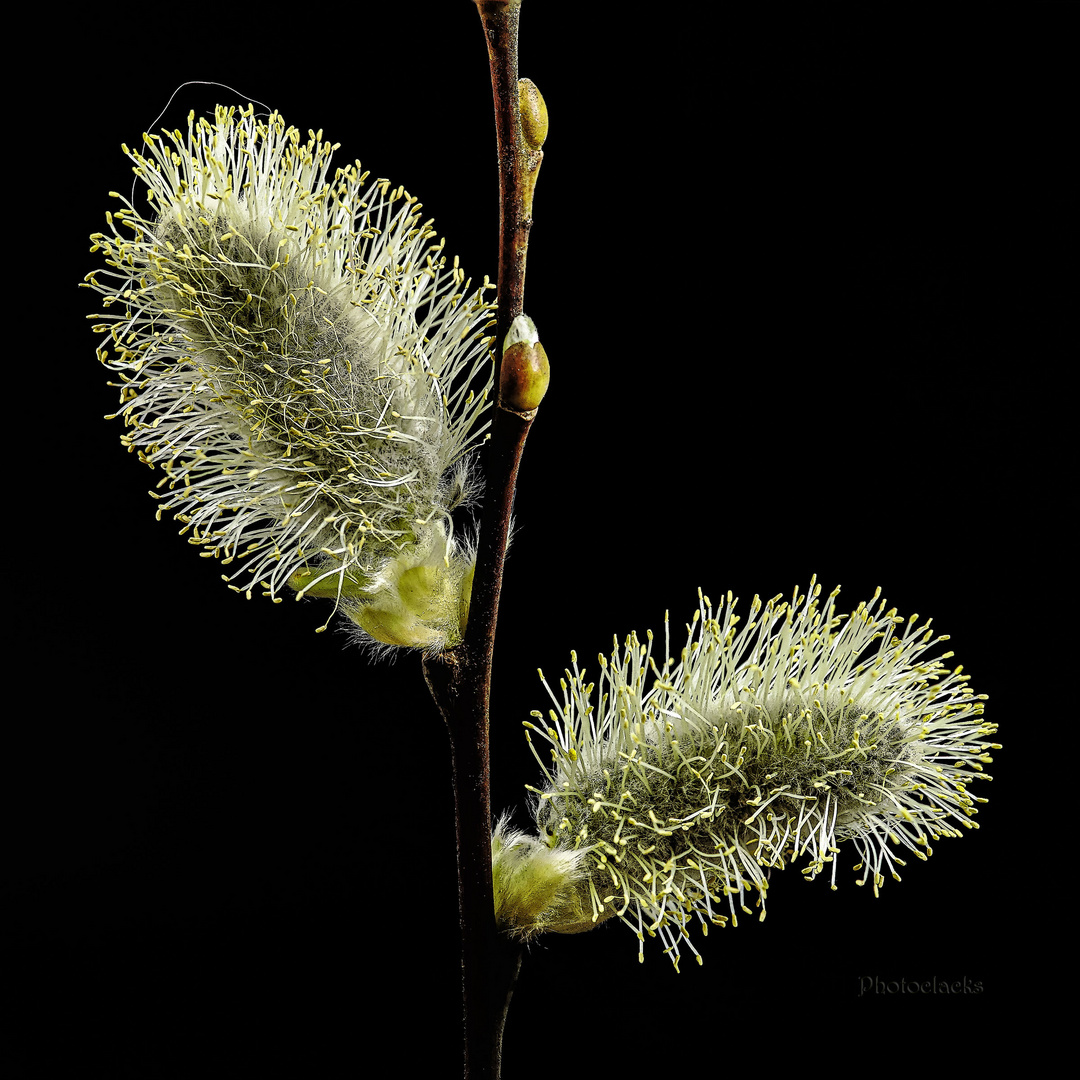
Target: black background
pixel 803 279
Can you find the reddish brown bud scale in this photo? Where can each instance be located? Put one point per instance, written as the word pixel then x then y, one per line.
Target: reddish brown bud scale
pixel 524 376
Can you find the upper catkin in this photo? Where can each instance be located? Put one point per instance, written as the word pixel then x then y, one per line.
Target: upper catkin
pixel 299 358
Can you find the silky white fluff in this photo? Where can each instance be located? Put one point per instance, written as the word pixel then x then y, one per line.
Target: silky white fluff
pixel 684 783
pixel 302 362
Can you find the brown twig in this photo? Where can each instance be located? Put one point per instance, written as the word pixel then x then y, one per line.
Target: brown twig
pixel 460 679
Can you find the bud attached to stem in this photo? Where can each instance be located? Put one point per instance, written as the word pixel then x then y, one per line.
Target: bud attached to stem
pixel 525 374
pixel 534 114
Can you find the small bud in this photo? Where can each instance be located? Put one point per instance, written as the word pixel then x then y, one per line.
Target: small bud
pixel 534 114
pixel 525 374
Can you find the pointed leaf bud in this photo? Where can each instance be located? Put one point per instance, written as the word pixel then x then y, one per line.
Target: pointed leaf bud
pixel 534 114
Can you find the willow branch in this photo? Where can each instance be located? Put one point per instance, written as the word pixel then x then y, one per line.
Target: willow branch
pixel 460 678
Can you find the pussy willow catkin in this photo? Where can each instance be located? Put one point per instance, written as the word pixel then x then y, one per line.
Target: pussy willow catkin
pixel 298 357
pixel 674 788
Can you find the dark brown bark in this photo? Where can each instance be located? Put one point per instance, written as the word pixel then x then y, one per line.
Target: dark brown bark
pixel 460 679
